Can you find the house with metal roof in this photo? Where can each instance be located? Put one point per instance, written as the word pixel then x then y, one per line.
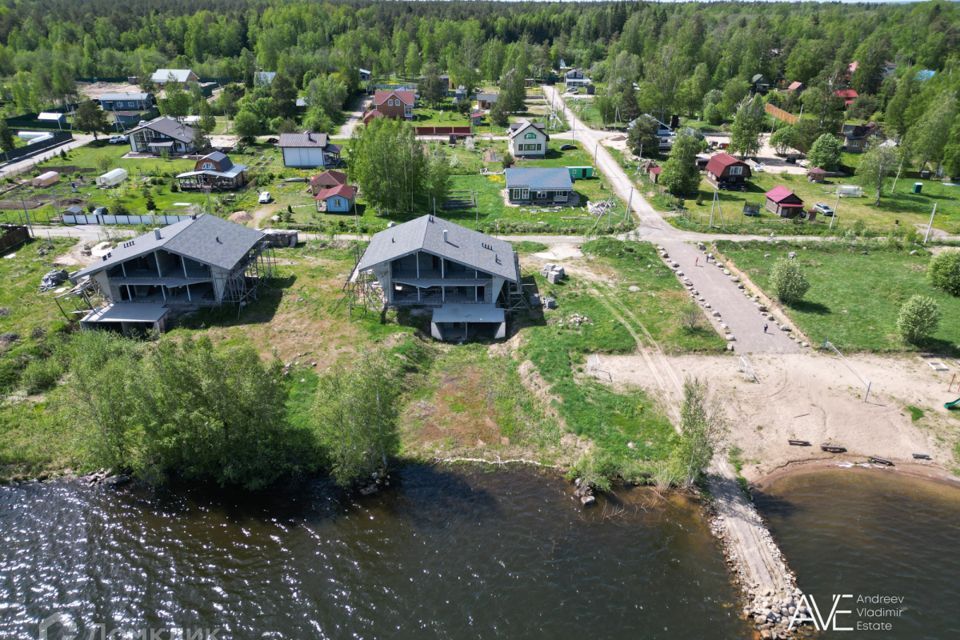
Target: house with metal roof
pixel 338 199
pixel 308 150
pixel 783 202
pixel 527 139
pixel 163 76
pixel 214 171
pixel 724 171
pixel 264 78
pixel 542 185
pixel 467 279
pixel 162 135
pixel 126 101
pixel 197 262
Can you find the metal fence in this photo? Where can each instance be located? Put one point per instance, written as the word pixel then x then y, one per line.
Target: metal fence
pixel 57 138
pixel 70 218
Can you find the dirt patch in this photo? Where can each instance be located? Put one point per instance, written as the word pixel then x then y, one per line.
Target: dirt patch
pixel 816 398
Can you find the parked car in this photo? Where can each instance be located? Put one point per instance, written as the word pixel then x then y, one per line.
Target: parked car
pixel 117 139
pixel 823 209
pixel 264 197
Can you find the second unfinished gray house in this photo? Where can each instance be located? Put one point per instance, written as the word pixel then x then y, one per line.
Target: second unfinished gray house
pixel 468 279
pixel 198 262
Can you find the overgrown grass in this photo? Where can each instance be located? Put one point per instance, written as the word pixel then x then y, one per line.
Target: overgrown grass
pixel 916 413
pixel 856 291
pixel 630 431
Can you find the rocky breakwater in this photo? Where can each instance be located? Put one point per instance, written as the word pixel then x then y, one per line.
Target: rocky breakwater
pixel 768 586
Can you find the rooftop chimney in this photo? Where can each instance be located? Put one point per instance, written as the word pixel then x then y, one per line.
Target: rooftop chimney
pixel 445 236
pixel 156 234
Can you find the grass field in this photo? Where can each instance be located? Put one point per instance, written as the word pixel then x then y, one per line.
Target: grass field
pixel 899 212
pixel 491 214
pixel 855 292
pixel 560 346
pixel 153 176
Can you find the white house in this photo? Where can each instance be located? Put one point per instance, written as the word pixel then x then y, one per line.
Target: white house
pixel 308 150
pixel 527 140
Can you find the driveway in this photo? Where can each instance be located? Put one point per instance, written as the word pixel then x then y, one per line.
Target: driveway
pixel 353 118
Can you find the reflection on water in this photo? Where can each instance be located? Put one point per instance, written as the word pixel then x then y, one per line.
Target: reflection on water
pixel 463 554
pixel 873 533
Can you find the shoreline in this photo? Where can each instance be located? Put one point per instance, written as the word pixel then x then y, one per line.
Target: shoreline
pixel 805 466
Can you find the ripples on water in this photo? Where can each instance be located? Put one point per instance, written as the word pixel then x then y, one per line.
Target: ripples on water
pixel 442 555
pixel 869 532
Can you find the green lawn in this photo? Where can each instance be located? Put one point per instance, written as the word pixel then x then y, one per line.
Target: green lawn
pixel 855 292
pixel 899 212
pixel 153 176
pixel 491 213
pixel 559 349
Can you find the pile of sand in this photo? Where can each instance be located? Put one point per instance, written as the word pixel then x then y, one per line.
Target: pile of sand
pixel 240 217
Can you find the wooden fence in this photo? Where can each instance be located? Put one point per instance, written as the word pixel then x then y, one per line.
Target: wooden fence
pixel 780 114
pixel 461 132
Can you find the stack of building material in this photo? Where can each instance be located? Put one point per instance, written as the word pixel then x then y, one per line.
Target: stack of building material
pixel 554 273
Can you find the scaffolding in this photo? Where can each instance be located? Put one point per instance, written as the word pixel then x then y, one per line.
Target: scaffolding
pixel 242 283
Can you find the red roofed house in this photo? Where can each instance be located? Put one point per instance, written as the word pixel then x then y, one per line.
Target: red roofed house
pixel 847 95
pixel 783 202
pixel 476 118
pixel 392 104
pixel 816 174
pixel 337 199
pixel 727 172
pixel 326 180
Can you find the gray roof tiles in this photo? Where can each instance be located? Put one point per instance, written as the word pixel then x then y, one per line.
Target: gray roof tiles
pixel 461 245
pixel 207 239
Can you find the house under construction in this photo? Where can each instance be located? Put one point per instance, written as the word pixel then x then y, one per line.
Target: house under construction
pixel 200 262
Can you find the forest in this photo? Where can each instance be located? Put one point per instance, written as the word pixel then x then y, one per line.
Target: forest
pixel 664 58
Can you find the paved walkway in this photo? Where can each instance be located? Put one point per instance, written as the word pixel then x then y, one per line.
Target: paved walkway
pixel 346 129
pixel 739 313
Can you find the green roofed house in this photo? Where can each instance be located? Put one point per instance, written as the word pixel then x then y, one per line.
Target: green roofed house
pixel 467 279
pixel 198 262
pixel 541 185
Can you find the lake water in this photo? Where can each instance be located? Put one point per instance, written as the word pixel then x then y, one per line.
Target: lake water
pixel 861 532
pixel 442 554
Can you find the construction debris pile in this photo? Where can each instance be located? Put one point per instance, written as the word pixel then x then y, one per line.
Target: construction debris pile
pixel 574 320
pixel 53 279
pixel 554 273
pixel 601 207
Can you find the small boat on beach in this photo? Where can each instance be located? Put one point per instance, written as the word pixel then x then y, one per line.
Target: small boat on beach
pixel 878 460
pixel 799 443
pixel 833 448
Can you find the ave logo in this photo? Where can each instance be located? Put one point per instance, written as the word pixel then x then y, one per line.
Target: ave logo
pixel 813 614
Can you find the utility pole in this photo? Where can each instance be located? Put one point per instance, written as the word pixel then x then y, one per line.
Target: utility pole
pixel 626 215
pixel 893 189
pixel 926 236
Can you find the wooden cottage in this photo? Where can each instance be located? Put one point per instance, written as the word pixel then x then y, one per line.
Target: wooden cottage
pixel 724 171
pixel 783 202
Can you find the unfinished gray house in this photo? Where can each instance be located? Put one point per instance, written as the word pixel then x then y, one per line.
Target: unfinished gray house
pixel 199 262
pixel 469 280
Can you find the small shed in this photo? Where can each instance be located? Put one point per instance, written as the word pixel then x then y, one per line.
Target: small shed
pixel 476 118
pixel 653 172
pixel 55 117
pixel 112 178
pixel 336 199
pixel 45 179
pixel 816 174
pixel 783 202
pixel 580 173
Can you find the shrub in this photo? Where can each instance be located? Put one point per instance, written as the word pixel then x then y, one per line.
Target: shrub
pixel 788 281
pixel 919 317
pixel 41 374
pixel 944 272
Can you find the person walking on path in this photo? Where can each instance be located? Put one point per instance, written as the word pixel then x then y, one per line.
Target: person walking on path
pixel 765 327
pixel 696 261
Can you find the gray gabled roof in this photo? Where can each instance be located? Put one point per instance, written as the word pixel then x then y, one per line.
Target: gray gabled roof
pixel 426 233
pixel 123 96
pixel 305 139
pixel 517 127
pixel 539 178
pixel 170 128
pixel 206 239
